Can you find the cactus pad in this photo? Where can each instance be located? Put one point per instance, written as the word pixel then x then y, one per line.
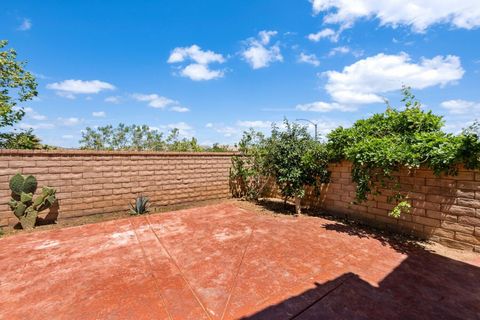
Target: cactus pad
pixel 30 185
pixel 16 184
pixel 26 197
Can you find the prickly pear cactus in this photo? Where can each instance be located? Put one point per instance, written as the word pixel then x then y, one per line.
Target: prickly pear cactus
pixel 24 206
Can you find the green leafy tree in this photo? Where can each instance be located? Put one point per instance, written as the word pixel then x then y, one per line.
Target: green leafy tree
pixel 174 143
pixel 134 137
pixel 122 137
pixel 23 140
pixel 16 86
pixel 296 161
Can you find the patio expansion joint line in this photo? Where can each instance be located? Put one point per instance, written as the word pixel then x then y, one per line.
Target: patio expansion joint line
pixel 320 299
pixel 234 284
pixel 149 265
pixel 179 270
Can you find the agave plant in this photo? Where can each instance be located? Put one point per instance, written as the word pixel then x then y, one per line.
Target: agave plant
pixel 140 206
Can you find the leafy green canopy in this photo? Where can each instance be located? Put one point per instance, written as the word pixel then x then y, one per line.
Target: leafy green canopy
pixel 386 142
pixel 295 160
pixel 289 156
pixel 16 86
pixel 135 137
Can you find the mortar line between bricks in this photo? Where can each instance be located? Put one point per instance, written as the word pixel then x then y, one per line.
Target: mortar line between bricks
pixel 178 267
pixel 149 265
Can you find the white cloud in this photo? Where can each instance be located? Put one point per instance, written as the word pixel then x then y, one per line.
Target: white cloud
pixel 32 114
pixel 417 14
pixel 113 99
pixel 364 81
pixel 27 126
pixel 70 88
pixel 70 122
pixel 327 33
pixel 255 124
pixel 154 100
pixel 25 25
pixel 309 58
pixel 184 129
pixel 99 114
pixel 67 136
pixel 196 54
pixel 265 36
pixel 199 70
pixel 461 106
pixel 320 106
pixel 339 50
pixel 179 109
pixel 259 54
pixel 226 131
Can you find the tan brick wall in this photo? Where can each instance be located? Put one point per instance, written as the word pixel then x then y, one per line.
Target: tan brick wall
pixel 104 182
pixel 445 209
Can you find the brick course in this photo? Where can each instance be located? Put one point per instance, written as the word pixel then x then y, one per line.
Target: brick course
pixel 91 182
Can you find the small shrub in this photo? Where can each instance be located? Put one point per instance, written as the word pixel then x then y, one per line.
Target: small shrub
pixel 141 206
pixel 248 177
pixel 23 204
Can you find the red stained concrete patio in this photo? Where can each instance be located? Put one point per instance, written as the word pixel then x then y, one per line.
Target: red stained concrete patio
pixel 225 262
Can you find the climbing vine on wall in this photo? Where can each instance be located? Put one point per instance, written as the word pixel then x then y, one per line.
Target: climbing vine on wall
pixel 409 137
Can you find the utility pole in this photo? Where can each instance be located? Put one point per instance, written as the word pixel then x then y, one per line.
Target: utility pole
pixel 314 124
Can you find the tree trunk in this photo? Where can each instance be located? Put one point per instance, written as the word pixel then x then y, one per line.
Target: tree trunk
pixel 298 205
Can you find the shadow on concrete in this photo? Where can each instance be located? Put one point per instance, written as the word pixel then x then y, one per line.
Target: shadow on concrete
pixel 423 286
pixel 51 217
pixel 400 242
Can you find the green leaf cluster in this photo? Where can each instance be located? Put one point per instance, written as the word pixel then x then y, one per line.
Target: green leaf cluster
pixel 16 86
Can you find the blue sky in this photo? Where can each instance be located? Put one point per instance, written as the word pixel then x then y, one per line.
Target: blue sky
pixel 215 68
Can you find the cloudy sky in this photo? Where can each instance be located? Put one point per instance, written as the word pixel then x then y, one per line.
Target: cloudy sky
pixel 213 68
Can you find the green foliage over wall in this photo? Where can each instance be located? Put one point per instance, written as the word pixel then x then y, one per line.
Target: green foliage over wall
pixel 409 137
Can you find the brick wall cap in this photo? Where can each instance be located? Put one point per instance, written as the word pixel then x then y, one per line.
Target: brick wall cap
pixel 77 152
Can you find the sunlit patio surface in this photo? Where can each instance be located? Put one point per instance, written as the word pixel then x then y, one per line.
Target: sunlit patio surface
pixel 223 261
